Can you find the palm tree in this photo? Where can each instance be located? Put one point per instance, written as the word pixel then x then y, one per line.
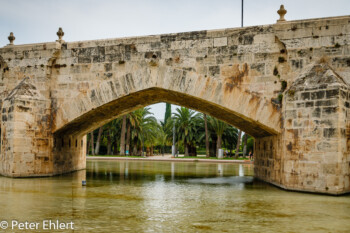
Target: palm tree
pixel 92 143
pixel 162 139
pixel 230 137
pixel 250 144
pixel 238 143
pixel 98 141
pixel 145 129
pixel 112 130
pixel 122 137
pixel 245 141
pixel 206 135
pixel 132 121
pixel 109 141
pixel 167 112
pixel 219 127
pixel 127 143
pixel 186 122
pixel 136 131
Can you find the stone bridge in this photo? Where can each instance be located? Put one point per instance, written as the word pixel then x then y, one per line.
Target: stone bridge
pixel 286 84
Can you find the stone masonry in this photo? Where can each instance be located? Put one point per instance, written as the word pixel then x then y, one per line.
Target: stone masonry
pixel 286 84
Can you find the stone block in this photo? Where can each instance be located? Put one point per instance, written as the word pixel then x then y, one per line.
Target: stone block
pixel 222 41
pixel 330 132
pixel 305 96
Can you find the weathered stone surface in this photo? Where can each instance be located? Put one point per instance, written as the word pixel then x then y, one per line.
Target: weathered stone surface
pixel 285 84
pixel 313 145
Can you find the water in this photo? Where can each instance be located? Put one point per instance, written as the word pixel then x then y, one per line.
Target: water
pixel 149 196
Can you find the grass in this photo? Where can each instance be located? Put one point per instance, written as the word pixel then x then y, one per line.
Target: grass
pixel 121 156
pixel 200 157
pixel 185 157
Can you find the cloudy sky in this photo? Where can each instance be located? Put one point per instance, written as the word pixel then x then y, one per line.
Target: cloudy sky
pixel 37 21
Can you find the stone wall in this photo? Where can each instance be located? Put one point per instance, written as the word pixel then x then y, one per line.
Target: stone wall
pixel 26 146
pixel 316 154
pixel 268 159
pixel 69 154
pixel 311 154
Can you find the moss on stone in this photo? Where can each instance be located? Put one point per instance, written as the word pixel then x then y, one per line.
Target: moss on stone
pixel 283 85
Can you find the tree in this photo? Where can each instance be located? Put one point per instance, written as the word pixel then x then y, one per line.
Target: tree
pixel 132 120
pixel 88 144
pixel 145 129
pixel 219 127
pixel 186 122
pixel 122 137
pixel 92 143
pixel 109 142
pixel 162 139
pixel 206 135
pixel 116 126
pixel 238 143
pixel 250 144
pixel 245 140
pixel 127 146
pixel 112 135
pixel 167 112
pixel 97 147
pixel 230 137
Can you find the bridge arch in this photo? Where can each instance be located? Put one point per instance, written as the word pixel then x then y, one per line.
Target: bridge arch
pixel 233 104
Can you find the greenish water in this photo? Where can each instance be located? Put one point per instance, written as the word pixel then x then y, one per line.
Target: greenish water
pixel 150 196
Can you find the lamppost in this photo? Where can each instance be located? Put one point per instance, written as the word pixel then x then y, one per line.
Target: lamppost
pixel 242 15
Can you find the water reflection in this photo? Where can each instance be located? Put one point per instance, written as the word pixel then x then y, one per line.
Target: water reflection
pixel 172 170
pixel 178 171
pixel 142 196
pixel 233 180
pixel 220 169
pixel 241 170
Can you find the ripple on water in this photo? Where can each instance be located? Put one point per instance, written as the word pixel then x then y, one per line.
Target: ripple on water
pixel 232 180
pixel 170 197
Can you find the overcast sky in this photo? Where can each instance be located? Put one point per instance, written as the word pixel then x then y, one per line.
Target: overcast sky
pixel 34 21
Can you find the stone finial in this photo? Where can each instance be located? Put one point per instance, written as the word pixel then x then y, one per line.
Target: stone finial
pixel 60 34
pixel 281 12
pixel 11 38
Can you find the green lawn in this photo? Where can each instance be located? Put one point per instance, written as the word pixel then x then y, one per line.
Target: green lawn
pixel 185 157
pixel 200 157
pixel 121 156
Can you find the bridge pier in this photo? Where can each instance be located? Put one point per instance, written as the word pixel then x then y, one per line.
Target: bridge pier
pixel 312 153
pixel 28 147
pixel 26 138
pixel 69 153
